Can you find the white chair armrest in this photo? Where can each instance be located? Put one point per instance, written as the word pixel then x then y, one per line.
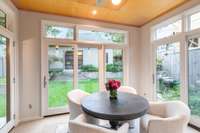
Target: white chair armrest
pixel 168 125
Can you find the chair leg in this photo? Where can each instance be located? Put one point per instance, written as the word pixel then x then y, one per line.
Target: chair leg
pixel 131 124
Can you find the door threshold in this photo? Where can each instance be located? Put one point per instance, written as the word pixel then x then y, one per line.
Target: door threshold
pixel 56 114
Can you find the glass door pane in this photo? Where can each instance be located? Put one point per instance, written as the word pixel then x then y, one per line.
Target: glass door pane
pixel 168 72
pixel 88 69
pixel 4 82
pixel 114 64
pixel 194 79
pixel 60 66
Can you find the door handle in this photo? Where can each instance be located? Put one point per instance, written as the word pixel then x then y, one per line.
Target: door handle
pixel 45 82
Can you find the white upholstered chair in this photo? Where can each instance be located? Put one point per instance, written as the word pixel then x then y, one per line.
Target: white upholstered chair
pixel 165 117
pixel 74 98
pixel 80 125
pixel 128 89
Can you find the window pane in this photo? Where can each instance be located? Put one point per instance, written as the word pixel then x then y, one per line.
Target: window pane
pixel 60 63
pixel 114 64
pixel 4 82
pixel 59 32
pixel 102 37
pixel 168 72
pixel 2 19
pixel 168 30
pixel 195 21
pixel 194 77
pixel 88 72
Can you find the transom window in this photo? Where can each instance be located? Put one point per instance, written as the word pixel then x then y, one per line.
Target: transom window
pixel 2 18
pixel 60 32
pixel 167 30
pixel 194 21
pixel 102 36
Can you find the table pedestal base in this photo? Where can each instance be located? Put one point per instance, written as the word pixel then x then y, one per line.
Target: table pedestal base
pixel 114 124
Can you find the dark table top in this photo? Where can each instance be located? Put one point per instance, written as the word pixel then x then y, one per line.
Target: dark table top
pixel 127 107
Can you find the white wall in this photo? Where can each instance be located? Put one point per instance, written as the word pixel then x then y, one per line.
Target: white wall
pixel 30 57
pixel 146 68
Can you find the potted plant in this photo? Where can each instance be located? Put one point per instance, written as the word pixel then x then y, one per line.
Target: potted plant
pixel 112 86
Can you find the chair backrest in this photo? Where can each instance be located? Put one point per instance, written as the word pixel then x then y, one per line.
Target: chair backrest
pixel 177 108
pixel 127 89
pixel 80 125
pixel 74 99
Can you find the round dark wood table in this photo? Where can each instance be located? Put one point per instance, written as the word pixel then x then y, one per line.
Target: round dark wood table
pixel 127 106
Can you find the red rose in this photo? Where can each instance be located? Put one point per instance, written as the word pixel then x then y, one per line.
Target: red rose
pixel 113 84
pixel 118 83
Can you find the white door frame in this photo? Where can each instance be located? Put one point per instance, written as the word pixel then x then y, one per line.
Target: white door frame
pixel 183 67
pixel 193 120
pixel 57 110
pixel 9 35
pixel 76 43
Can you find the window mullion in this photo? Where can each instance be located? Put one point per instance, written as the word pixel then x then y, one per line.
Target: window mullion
pixel 101 67
pixel 75 83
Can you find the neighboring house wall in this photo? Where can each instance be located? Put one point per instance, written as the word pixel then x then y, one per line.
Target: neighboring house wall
pixel 90 57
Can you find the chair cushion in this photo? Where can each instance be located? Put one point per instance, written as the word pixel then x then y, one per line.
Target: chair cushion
pixel 145 120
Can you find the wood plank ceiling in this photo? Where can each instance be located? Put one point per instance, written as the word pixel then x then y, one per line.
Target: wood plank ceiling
pixel 129 12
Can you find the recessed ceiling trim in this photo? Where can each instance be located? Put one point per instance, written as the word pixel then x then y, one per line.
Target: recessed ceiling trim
pixel 136 13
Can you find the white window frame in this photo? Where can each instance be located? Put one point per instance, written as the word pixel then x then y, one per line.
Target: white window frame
pixel 165 23
pixel 182 38
pixel 76 43
pixel 9 35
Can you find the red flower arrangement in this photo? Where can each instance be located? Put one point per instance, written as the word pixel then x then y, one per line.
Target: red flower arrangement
pixel 112 86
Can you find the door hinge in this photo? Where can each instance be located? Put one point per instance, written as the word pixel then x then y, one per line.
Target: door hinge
pixel 14 116
pixel 13 43
pixel 153 78
pixel 14 80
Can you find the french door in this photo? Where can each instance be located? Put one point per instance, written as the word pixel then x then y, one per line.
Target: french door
pixel 7 73
pixel 67 67
pixel 72 66
pixel 167 71
pixel 58 77
pixel 193 49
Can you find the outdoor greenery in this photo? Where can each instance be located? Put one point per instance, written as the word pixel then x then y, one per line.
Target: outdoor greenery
pixel 117 37
pixel 194 100
pixel 54 31
pixel 116 67
pixel 2 98
pixel 2 105
pixel 2 80
pixel 88 68
pixel 169 90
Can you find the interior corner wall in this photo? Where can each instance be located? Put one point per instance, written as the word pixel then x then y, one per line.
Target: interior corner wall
pixel 30 57
pixel 146 48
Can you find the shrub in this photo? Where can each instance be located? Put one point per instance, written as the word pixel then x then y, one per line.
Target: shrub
pixel 88 68
pixel 114 67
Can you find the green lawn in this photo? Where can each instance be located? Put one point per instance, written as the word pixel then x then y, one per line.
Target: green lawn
pixel 2 80
pixel 58 90
pixel 2 105
pixel 2 98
